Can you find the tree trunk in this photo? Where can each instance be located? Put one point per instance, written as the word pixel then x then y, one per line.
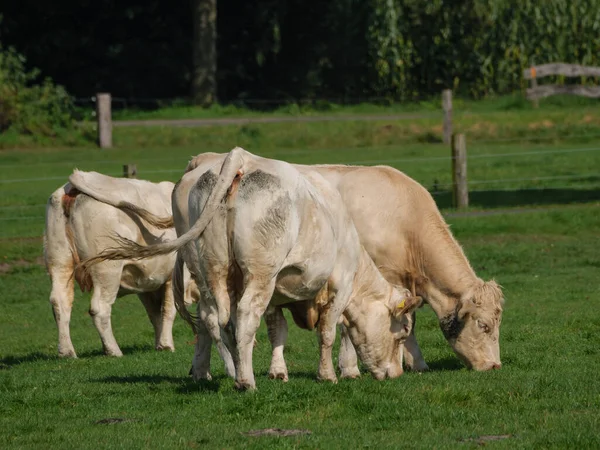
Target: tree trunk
pixel 204 48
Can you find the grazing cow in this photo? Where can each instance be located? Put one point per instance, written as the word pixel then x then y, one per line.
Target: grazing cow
pixel 265 234
pixel 80 216
pixel 402 229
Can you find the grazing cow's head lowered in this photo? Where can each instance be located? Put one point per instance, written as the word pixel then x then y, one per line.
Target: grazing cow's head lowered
pixel 379 331
pixel 473 329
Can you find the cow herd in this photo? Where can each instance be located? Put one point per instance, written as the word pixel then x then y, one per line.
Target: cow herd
pixel 242 237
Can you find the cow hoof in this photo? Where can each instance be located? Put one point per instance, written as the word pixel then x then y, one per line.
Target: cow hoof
pixel 421 366
pixel 394 373
pixel 198 375
pixel 244 386
pixel 162 348
pixel 331 379
pixel 350 373
pixel 116 353
pixel 201 376
pixel 278 375
pixel 67 354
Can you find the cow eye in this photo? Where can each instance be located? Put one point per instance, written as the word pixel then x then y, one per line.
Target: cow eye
pixel 484 327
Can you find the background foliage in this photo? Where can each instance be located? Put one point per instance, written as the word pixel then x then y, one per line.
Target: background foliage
pixel 401 49
pixel 26 107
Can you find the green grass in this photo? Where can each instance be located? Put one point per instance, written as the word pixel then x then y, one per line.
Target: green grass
pixel 546 395
pixel 179 110
pixel 510 117
pixel 501 174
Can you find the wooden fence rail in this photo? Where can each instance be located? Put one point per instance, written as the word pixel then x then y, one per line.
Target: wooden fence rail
pixel 536 92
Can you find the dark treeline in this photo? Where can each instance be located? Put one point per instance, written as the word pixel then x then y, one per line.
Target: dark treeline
pixel 285 49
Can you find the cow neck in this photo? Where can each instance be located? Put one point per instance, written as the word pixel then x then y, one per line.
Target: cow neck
pixel 440 268
pixel 369 284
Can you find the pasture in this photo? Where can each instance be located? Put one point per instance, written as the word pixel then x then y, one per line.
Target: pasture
pixel 546 257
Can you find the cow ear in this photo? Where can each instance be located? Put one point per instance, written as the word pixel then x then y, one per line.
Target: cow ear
pixel 467 307
pixel 406 304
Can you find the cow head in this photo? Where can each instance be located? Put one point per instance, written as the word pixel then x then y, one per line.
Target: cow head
pixel 378 331
pixel 473 328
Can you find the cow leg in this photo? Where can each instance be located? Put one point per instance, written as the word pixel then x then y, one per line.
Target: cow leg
pixel 412 352
pixel 277 330
pixel 167 318
pixel 201 362
pixel 106 288
pixel 328 321
pixel 250 309
pixel 61 299
pixel 347 360
pixel 153 302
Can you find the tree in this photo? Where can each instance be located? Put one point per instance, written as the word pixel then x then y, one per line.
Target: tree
pixel 204 52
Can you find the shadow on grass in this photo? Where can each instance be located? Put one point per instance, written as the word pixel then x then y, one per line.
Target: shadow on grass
pixel 445 364
pixel 127 350
pixel 521 197
pixel 12 361
pixel 185 384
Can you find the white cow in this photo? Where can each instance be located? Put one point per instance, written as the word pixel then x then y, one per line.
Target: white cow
pixel 78 226
pixel 264 233
pixel 402 229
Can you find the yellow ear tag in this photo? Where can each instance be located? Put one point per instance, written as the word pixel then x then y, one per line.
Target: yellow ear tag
pixel 401 304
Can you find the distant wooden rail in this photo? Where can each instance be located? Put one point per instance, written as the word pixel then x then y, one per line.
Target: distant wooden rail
pixel 536 92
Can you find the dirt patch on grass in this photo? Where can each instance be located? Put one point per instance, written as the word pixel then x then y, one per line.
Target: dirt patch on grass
pixel 386 129
pixel 544 124
pixel 6 267
pixel 276 432
pixel 482 440
pixel 483 128
pixel 439 129
pixel 588 118
pixel 415 129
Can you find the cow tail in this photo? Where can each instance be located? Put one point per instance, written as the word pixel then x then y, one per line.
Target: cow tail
pixel 128 249
pixel 179 293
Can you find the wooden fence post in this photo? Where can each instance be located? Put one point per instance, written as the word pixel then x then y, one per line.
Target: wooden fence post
pixel 447 106
pixel 460 190
pixel 103 115
pixel 534 85
pixel 130 171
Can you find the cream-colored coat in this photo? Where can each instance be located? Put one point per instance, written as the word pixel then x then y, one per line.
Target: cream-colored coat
pixel 261 233
pixel 403 231
pixel 78 227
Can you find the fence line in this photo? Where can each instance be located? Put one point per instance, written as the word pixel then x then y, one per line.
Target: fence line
pixel 440 185
pixel 492 211
pixel 532 138
pixel 487 155
pixel 542 178
pixel 288 152
pixel 372 161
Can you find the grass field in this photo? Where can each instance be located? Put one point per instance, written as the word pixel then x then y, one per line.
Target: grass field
pixel 547 395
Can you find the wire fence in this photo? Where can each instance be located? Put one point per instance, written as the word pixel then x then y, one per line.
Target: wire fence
pixel 128 102
pixel 590 174
pixel 425 107
pixel 416 160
